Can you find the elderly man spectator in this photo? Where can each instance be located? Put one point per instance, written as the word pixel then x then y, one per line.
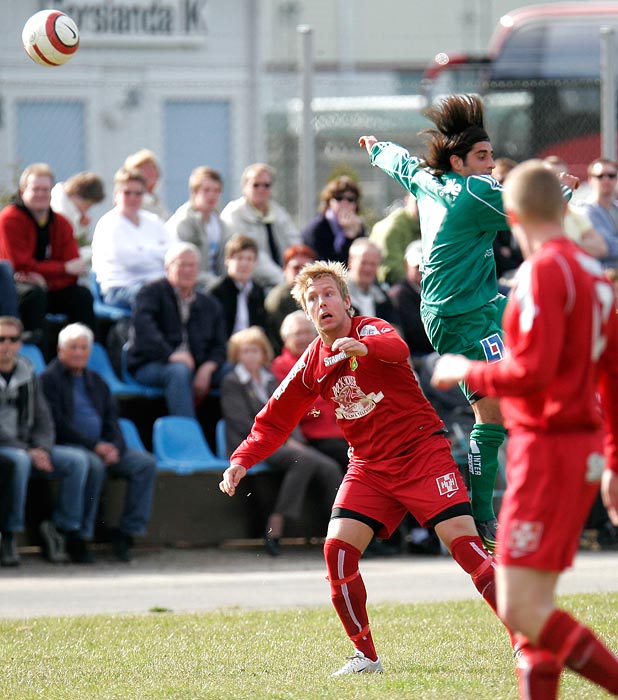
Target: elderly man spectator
pixel 40 245
pixel 85 417
pixel 146 162
pixel 256 215
pixel 27 438
pixel 367 295
pixel 129 243
pixel 602 207
pixel 197 221
pixel 177 334
pixel 240 296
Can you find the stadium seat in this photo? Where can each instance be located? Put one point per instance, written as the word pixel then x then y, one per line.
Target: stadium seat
pixel 222 449
pixel 101 309
pixel 179 446
pixel 99 362
pixel 150 392
pixel 131 435
pixel 32 353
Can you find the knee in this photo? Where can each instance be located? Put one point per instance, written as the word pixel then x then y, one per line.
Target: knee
pixel 177 374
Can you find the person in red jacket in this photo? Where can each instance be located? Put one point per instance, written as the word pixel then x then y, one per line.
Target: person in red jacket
pixel 400 459
pixel 561 335
pixel 40 245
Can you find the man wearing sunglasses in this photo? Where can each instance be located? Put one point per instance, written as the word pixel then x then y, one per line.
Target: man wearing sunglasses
pixel 258 216
pixel 27 438
pixel 602 207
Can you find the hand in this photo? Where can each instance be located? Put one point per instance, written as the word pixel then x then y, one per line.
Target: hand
pixel 41 459
pixel 609 492
pixel 569 180
pixel 351 347
pixel 75 267
pixel 449 370
pixel 31 278
pixel 108 452
pixel 202 381
pixel 350 222
pixel 231 478
pixel 183 356
pixel 367 142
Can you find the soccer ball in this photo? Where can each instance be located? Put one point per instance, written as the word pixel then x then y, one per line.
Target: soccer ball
pixel 50 37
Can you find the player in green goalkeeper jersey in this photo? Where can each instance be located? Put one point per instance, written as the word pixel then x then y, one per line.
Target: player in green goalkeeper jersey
pixel 460 208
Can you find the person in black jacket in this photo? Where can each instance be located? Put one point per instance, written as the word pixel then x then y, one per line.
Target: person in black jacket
pixel 240 295
pixel 85 417
pixel 177 333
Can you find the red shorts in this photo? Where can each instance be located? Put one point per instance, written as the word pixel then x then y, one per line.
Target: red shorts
pixel 552 481
pixel 425 483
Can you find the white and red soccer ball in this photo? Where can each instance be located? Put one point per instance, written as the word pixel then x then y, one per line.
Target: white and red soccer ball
pixel 50 37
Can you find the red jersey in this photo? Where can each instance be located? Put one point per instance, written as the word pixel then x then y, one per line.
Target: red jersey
pixel 320 421
pixel 379 406
pixel 561 334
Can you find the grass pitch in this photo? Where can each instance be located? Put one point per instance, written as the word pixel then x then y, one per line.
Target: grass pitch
pixel 441 651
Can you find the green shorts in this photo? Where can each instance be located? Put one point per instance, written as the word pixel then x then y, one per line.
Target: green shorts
pixel 477 335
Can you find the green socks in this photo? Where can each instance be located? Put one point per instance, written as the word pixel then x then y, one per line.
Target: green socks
pixel 485 440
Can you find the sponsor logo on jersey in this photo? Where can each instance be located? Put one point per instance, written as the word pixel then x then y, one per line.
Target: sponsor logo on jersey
pixel 595 464
pixel 368 330
pixel 353 402
pixel 452 187
pixel 333 359
pixel 493 347
pixel 524 537
pixel 447 485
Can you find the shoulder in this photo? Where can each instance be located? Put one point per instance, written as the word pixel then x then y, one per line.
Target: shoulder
pixel 11 211
pixel 233 207
pixel 318 222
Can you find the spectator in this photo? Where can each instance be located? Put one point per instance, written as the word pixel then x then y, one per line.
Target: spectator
pixel 9 302
pixel 27 439
pixel 602 207
pixel 244 392
pixel 8 549
pixel 406 299
pixel 40 246
pixel 146 162
pixel 197 221
pixel 85 417
pixel 367 295
pixel 74 198
pixel 332 231
pixel 279 301
pixel 392 235
pixel 256 215
pixel 177 333
pixel 319 425
pixel 129 243
pixel 577 224
pixel 241 297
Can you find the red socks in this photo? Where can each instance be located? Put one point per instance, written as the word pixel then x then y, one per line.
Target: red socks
pixel 538 672
pixel 576 646
pixel 474 559
pixel 348 593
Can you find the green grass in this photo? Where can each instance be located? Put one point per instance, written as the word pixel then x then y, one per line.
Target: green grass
pixel 442 651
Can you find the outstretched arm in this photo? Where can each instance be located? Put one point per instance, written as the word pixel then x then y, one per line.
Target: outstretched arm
pixel 231 478
pixel 367 142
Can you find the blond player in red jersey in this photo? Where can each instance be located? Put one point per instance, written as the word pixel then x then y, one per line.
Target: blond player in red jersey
pixel 400 459
pixel 561 333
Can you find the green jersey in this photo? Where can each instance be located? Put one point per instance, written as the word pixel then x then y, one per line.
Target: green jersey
pixel 459 220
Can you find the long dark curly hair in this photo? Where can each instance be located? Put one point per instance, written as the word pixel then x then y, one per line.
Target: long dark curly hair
pixel 459 124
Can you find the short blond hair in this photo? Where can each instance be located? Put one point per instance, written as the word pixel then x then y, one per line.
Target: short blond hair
pixel 533 193
pixel 137 160
pixel 35 169
pixel 125 175
pixel 253 334
pixel 255 169
pixel 320 268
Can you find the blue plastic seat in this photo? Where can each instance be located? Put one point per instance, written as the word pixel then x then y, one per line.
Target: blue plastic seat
pixel 150 392
pixel 131 435
pixel 180 446
pixel 33 353
pixel 99 362
pixel 101 308
pixel 221 444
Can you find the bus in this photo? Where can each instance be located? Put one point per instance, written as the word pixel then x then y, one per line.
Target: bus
pixel 541 81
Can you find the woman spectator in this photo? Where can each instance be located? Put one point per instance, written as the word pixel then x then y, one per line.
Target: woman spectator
pixel 331 233
pixel 244 391
pixel 129 243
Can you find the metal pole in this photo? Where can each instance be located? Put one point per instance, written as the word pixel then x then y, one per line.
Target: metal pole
pixel 306 160
pixel 608 94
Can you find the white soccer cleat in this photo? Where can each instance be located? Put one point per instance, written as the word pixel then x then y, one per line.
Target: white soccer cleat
pixel 359 663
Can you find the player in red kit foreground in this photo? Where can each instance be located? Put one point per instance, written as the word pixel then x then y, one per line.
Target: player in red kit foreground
pixel 561 333
pixel 400 459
